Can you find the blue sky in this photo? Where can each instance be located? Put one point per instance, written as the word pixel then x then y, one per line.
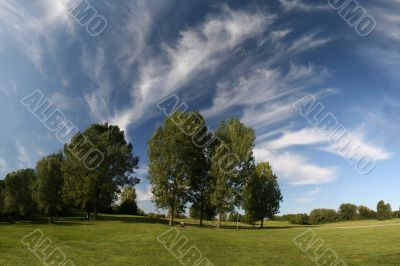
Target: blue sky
pixel 251 59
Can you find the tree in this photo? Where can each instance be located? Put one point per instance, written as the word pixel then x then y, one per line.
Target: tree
pixel 208 214
pixel 231 157
pixel 348 211
pixel 49 184
pixel 302 219
pixel 366 213
pixel 262 195
pixel 201 180
pixel 2 192
pixel 172 161
pixel 98 163
pixel 18 200
pixel 383 211
pixel 128 202
pixel 323 216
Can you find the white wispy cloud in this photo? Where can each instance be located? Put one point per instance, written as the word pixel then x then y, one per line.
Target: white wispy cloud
pixel 30 33
pixel 3 166
pixel 22 156
pixel 306 136
pixel 266 95
pixel 198 49
pixel 309 196
pixel 145 195
pixel 299 5
pixel 358 146
pixel 295 169
pixel 386 15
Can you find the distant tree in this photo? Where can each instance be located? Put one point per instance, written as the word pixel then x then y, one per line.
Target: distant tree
pixel 302 219
pixel 366 213
pixel 231 158
pixel 98 162
pixel 348 211
pixel 323 216
pixel 49 184
pixel 128 202
pixel 2 195
pixel 262 196
pixel 383 211
pixel 172 156
pixel 18 200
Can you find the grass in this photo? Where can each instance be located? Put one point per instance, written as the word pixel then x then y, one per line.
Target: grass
pixel 127 240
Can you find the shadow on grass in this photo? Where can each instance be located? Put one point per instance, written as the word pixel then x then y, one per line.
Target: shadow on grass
pixel 76 220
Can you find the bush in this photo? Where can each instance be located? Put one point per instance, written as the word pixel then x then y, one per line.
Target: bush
pixel 155 215
pixel 323 216
pixel 128 207
pixel 366 213
pixel 348 211
pixel 302 219
pixel 383 211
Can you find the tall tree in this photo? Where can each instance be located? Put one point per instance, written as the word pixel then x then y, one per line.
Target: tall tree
pixel 262 196
pixel 230 159
pixel 49 184
pixel 18 198
pixel 172 156
pixel 201 180
pixel 93 186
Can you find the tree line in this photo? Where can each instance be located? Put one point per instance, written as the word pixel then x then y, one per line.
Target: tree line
pixel 212 171
pixel 346 212
pixel 63 180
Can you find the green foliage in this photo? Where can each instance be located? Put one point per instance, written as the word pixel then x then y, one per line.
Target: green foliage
pixel 366 213
pixel 18 200
pixel 172 162
pixel 348 211
pixel 234 147
pixel 262 196
pixel 323 216
pixel 97 188
pixel 383 211
pixel 128 202
pixel 302 219
pixel 201 181
pixel 2 195
pixel 49 184
pixel 209 211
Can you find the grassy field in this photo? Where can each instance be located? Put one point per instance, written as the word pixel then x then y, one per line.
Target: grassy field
pixel 126 240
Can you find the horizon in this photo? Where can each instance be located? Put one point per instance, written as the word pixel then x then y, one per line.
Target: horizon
pixel 254 61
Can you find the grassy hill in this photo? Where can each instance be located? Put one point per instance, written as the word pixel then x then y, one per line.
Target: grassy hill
pixel 127 240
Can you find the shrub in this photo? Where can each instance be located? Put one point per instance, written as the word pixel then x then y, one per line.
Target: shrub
pixel 383 211
pixel 366 213
pixel 348 211
pixel 300 218
pixel 323 216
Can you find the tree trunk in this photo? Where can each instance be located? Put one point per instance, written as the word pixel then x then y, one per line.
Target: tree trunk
pixel 219 220
pixel 262 222
pixel 88 213
pixel 201 217
pixel 95 213
pixel 171 216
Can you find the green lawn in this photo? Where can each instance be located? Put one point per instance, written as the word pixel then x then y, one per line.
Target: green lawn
pixel 125 240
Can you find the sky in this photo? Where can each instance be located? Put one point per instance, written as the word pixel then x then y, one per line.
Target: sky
pixel 249 59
